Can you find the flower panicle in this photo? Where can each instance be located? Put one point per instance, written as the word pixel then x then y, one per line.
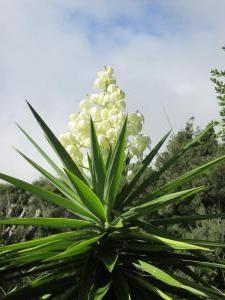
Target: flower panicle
pixel 107 110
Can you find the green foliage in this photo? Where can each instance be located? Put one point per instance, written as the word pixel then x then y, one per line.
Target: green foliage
pixel 107 241
pixel 211 201
pixel 15 202
pixel 218 78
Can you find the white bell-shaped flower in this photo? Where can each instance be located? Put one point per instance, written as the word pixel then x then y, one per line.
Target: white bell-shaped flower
pixel 108 110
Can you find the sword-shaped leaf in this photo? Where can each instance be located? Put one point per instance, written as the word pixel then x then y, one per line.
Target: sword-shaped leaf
pixel 57 146
pixel 50 196
pixel 204 264
pixel 171 243
pixel 210 244
pixel 87 277
pixel 101 291
pixel 109 156
pixel 155 175
pixel 129 187
pixel 46 222
pixel 121 287
pixel 77 249
pixel 45 156
pixel 148 286
pixel 88 197
pixel 92 173
pixel 53 285
pixel 115 170
pixel 191 286
pixel 153 205
pixel 64 236
pixel 98 163
pixel 187 220
pixel 184 178
pixel 109 258
pixel 167 278
pixel 68 192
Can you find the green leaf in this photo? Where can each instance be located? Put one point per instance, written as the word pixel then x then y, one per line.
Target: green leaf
pixel 57 267
pixel 129 187
pixel 155 175
pixel 88 197
pixel 56 182
pixel 45 156
pixel 148 286
pixel 78 248
pixel 184 178
pixel 57 146
pixel 98 163
pixel 114 171
pixel 153 205
pixel 109 156
pixel 87 277
pixel 109 258
pixel 52 285
pixel 210 293
pixel 36 256
pixel 158 273
pixel 71 235
pixel 47 222
pixel 171 243
pixel 92 173
pixel 117 223
pixel 186 220
pixel 121 287
pixel 210 244
pixel 49 196
pixel 101 291
pixel 148 227
pixel 203 264
pixel 166 278
pixel 38 253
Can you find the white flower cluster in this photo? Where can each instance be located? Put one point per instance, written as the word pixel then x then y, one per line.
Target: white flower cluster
pixel 108 111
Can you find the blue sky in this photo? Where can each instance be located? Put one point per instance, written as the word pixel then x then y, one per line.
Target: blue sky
pixel 51 50
pixel 146 21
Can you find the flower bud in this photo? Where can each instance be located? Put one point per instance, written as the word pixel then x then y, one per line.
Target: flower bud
pixel 85 104
pixel 103 141
pixel 73 117
pixel 95 113
pixel 141 142
pixel 97 83
pixel 134 151
pixel 111 88
pixel 109 70
pixel 121 105
pixel 66 139
pixel 104 113
pixel 93 98
pixel 110 134
pixel 120 94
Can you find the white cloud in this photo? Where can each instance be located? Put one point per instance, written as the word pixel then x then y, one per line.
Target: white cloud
pixel 49 54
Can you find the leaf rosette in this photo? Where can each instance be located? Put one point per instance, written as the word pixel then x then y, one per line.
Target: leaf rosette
pixel 114 246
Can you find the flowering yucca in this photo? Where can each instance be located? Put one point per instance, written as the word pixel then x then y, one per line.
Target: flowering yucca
pixel 114 247
pixel 108 111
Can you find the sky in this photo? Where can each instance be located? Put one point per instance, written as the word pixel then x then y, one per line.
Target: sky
pixel 51 51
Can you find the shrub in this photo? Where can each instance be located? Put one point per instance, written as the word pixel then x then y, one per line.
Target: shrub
pixel 109 250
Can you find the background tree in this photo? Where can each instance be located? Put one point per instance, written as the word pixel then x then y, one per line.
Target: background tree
pixel 15 202
pixel 218 78
pixel 212 200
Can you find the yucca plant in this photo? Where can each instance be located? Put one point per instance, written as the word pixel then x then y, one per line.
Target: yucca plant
pixel 115 247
